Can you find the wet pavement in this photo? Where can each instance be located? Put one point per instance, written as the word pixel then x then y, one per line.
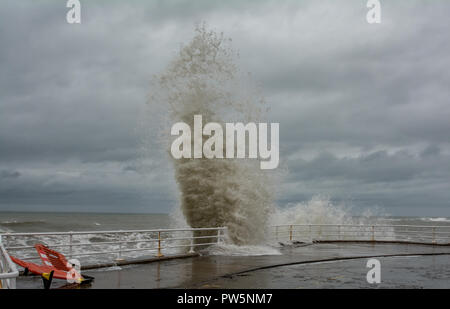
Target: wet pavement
pixel 271 271
pixel 396 272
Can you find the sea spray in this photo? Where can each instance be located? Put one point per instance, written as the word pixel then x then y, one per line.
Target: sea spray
pixel 320 210
pixel 203 79
pixel 320 217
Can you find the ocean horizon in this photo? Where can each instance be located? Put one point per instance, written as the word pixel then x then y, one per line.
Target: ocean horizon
pixel 24 221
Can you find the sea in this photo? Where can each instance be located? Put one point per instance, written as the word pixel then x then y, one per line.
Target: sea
pixel 29 222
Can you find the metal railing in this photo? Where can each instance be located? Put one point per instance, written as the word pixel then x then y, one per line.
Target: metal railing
pixel 115 244
pixel 8 270
pixel 346 232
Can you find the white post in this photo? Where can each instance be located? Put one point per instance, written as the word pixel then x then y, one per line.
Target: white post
pixel 159 254
pixel 191 249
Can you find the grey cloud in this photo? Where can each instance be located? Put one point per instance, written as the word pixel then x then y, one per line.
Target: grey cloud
pixel 9 174
pixel 376 167
pixel 72 97
pixel 431 151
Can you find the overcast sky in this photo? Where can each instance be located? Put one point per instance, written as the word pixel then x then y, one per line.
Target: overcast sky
pixel 364 110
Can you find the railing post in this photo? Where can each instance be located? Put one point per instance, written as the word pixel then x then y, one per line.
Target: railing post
pixel 191 249
pixel 290 232
pixel 159 245
pixel 434 235
pixel 373 233
pixel 339 232
pixel 218 236
pixel 224 234
pixel 7 267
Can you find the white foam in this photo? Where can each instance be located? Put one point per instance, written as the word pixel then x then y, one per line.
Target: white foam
pixel 435 219
pixel 319 210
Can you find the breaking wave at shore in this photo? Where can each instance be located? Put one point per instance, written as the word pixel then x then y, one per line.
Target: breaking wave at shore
pixel 321 210
pixel 203 79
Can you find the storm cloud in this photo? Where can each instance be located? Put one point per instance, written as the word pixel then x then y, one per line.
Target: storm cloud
pixel 363 109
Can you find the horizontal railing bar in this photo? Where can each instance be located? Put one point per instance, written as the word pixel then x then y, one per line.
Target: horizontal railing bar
pixel 129 250
pixel 9 275
pixel 365 236
pixel 432 234
pixel 369 235
pixel 115 242
pixel 196 237
pixel 193 245
pixel 88 244
pixel 144 249
pixel 365 226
